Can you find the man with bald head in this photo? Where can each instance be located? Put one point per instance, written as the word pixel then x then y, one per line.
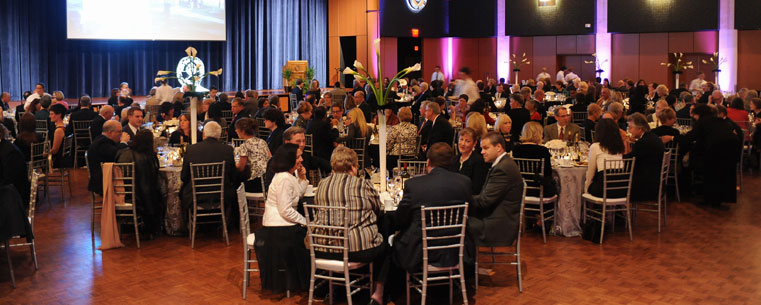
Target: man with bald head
pixel 106 113
pixel 716 98
pixel 103 149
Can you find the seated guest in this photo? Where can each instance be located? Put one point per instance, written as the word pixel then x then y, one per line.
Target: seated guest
pixel 493 214
pixel 113 99
pixel 609 146
pixel 648 149
pixel 224 101
pixel 134 121
pixel 323 136
pixel 305 113
pixel 181 135
pixel 440 129
pixel 563 129
pixel 253 154
pixel 280 241
pixel 736 112
pixel 391 118
pixel 480 106
pixel 27 135
pixel 594 113
pixel 57 112
pixel 35 107
pixel 531 148
pixel 666 131
pixel 208 151
pixel 274 121
pixel 458 111
pixel 123 104
pixel 356 126
pixel 469 162
pixel 148 201
pixel 518 115
pixel 439 187
pixel 401 139
pixel 166 112
pixel 83 114
pixel 238 108
pixel 103 149
pixel 263 105
pixel 504 126
pixel 13 170
pixel 476 121
pixel 531 106
pixel 344 189
pixel 214 113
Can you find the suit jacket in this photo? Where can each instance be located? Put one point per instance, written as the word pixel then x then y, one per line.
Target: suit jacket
pixel 96 127
pixel 83 114
pixel 13 170
pixel 231 134
pixel 494 212
pixel 649 153
pixel 367 110
pixel 439 187
pixel 519 116
pixel 323 137
pixel 298 92
pixel 207 151
pixel 551 132
pixel 275 139
pixel 128 130
pixel 101 150
pixel 441 131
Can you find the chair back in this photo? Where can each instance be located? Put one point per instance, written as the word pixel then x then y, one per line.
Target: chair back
pixel 227 115
pixel 684 122
pixel 665 169
pixel 33 196
pixel 207 180
pixel 532 171
pixel 309 146
pixel 617 178
pixel 68 152
pixel 82 137
pixel 152 112
pixel 293 102
pixel 238 142
pixel 414 168
pixel 123 180
pixel 592 133
pixel 41 125
pixel 327 230
pixel 582 133
pixel 39 157
pixel 520 220
pixel 245 226
pixel 579 117
pixel 263 132
pixel 358 145
pixel 443 228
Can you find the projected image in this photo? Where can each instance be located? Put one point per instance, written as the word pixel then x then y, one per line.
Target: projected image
pixel 146 19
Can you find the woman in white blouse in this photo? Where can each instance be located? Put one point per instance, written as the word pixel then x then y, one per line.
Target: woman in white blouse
pixel 283 258
pixel 610 146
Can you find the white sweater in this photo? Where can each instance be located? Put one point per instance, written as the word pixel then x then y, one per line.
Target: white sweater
pixel 597 157
pixel 282 200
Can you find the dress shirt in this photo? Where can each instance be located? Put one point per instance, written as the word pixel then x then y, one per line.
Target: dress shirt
pixel 542 75
pixel 285 190
pixel 467 87
pixel 561 133
pixel 437 76
pixel 696 85
pixel 570 77
pixel 32 97
pixel 164 93
pixel 134 129
pixel 496 161
pixel 561 77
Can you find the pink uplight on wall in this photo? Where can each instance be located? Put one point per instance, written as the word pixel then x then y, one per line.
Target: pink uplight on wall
pixel 450 58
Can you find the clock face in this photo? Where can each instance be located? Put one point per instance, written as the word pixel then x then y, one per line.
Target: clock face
pixel 416 5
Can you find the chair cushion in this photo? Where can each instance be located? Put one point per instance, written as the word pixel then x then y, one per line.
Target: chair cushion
pixel 335 265
pixel 250 239
pixel 432 268
pixel 535 200
pixel 123 206
pixel 254 196
pixel 610 201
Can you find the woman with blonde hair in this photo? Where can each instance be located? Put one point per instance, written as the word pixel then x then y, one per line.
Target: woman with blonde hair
pixel 477 122
pixel 662 91
pixel 58 99
pixel 531 148
pixel 504 125
pixel 356 126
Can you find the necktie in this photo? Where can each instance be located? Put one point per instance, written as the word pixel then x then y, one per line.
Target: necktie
pixel 562 133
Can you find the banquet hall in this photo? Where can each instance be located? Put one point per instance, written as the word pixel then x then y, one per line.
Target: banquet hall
pixel 380 151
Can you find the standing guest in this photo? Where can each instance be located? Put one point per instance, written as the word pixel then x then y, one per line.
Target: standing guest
pixel 298 90
pixel 542 75
pixel 469 162
pixel 134 121
pixel 96 127
pixel 609 146
pixel 648 149
pixel 27 135
pixel 440 187
pixel 504 126
pixel 437 75
pixel 344 189
pixel 280 241
pixel 323 135
pixel 253 154
pixel 518 114
pixel 697 83
pixel 401 139
pixel 238 108
pixel 531 148
pixel 39 92
pixel 493 213
pixel 57 112
pixel 275 122
pixel 338 93
pixel 13 170
pixel 83 114
pixel 465 85
pixel 594 113
pixel 164 92
pixel 440 129
pixel 305 113
pixel 147 194
pixel 182 134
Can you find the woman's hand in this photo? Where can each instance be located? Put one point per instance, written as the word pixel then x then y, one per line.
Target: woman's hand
pixel 302 172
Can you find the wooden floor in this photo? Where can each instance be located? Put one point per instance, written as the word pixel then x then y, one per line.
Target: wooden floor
pixel 704 256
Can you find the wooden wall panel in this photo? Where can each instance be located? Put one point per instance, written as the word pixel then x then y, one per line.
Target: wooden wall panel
pixel 388 56
pixel 566 44
pixel 545 55
pixel 433 55
pixel 334 57
pixel 465 54
pixel 653 50
pixel 585 44
pixel 487 57
pixel 625 62
pixel 707 42
pixel 748 59
pixel 519 45
pixel 681 42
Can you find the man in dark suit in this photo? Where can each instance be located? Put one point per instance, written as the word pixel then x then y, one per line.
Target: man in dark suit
pixel 96 127
pixel 367 109
pixel 594 113
pixel 440 129
pixel 323 135
pixel 648 149
pixel 208 151
pixel 563 129
pixel 103 149
pixel 518 115
pixel 83 114
pixel 684 113
pixel 134 121
pixel 238 108
pixel 298 90
pixel 493 214
pixel 438 187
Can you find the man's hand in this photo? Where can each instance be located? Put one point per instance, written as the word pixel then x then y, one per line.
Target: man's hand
pixel 667 139
pixel 125 137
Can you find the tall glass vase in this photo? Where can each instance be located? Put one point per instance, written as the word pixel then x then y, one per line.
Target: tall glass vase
pixel 516 76
pixel 716 76
pixel 676 77
pixel 382 147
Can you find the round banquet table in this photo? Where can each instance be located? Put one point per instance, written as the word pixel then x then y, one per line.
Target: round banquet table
pixel 570 188
pixel 174 223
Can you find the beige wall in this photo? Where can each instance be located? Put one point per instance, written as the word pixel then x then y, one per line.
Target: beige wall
pixel 352 18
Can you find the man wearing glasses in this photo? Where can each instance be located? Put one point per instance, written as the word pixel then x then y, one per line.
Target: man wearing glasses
pixel 563 129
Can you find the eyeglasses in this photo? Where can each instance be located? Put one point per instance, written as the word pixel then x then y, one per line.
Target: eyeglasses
pixel 564 116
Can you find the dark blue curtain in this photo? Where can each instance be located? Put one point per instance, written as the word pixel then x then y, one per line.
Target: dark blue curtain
pixel 261 36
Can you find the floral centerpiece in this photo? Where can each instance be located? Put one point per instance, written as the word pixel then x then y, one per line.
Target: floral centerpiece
pixel 598 64
pixel 679 66
pixel 381 96
pixel 716 62
pixel 517 64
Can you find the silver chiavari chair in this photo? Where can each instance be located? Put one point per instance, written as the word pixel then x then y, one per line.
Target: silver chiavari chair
pixel 123 177
pixel 532 171
pixel 227 115
pixel 248 238
pixel 207 182
pixel 359 146
pixel 309 146
pixel 96 203
pixel 263 133
pixel 238 142
pixel 673 176
pixel 617 177
pixel 579 117
pixel 414 168
pixel 82 139
pixel 39 161
pixel 23 241
pixel 660 205
pixel 61 175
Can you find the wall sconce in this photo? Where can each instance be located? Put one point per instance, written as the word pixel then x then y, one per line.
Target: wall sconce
pixel 543 3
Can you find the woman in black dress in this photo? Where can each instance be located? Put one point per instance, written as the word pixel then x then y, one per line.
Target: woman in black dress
pixel 27 135
pixel 468 162
pixel 57 112
pixel 182 134
pixel 148 196
pixel 531 148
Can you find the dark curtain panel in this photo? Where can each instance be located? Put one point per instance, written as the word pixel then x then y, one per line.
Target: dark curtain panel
pixel 261 36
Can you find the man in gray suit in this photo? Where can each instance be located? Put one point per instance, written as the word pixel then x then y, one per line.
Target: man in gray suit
pixel 493 215
pixel 563 129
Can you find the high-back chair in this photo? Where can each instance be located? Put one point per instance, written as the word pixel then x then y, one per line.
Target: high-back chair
pixel 617 178
pixel 579 117
pixel 207 182
pixel 684 122
pixel 443 229
pixel 292 101
pixel 414 168
pixel 238 142
pixel 96 204
pixel 123 178
pixel 23 241
pixel 359 146
pixel 263 133
pixel 532 171
pixel 248 237
pixel 309 146
pixel 660 205
pixel 152 112
pixel 328 232
pixel 227 115
pixel 745 149
pixel 82 139
pixel 62 175
pixel 515 256
pixel 41 125
pixel 674 167
pixel 39 161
